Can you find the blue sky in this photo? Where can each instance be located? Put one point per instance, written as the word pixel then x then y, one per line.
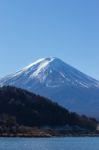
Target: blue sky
pixel 32 29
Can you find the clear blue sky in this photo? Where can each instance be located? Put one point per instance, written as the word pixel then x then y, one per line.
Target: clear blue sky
pixel 31 29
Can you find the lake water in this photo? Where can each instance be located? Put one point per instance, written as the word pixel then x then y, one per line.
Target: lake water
pixel 86 143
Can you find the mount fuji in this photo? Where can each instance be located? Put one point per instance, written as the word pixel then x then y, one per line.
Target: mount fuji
pixel 56 80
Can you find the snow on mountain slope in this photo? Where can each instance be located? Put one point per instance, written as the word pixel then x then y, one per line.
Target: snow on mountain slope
pixel 53 78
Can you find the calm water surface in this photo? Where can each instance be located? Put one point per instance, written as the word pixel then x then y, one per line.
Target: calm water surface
pixel 49 143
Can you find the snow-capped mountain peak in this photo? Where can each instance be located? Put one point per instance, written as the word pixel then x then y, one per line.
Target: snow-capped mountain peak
pixel 52 72
pixel 55 79
pixel 39 61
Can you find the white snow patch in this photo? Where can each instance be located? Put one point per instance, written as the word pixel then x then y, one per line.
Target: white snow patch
pixel 41 67
pixel 84 85
pixel 52 86
pixel 34 63
pixel 63 75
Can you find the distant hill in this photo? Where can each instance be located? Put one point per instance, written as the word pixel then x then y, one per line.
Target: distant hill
pixel 56 80
pixel 18 106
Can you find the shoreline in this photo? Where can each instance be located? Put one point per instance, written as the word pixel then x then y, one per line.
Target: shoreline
pixel 46 134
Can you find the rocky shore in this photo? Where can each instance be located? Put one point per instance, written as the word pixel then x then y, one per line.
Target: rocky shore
pixel 39 132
